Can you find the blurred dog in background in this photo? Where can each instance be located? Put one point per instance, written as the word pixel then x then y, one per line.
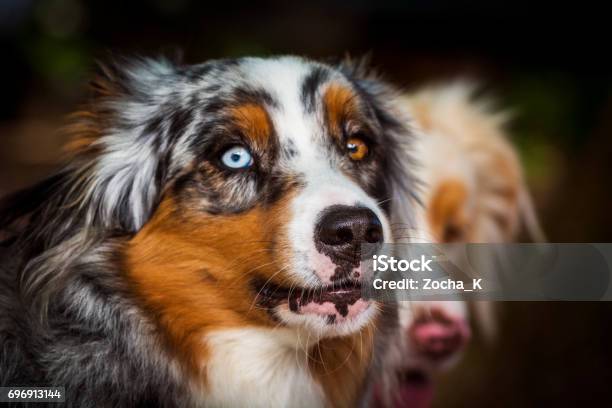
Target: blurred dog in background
pixel 473 191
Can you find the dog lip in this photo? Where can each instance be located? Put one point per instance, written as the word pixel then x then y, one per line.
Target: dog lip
pixel 336 303
pixel 271 294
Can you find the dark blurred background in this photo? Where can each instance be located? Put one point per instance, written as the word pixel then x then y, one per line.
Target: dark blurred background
pixel 550 64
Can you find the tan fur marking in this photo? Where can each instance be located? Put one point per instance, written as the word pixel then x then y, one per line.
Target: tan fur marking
pixel 340 365
pixel 446 213
pixel 192 272
pixel 340 106
pixel 254 122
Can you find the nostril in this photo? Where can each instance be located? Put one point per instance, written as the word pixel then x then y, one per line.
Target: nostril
pixel 374 234
pixel 335 235
pixel 345 235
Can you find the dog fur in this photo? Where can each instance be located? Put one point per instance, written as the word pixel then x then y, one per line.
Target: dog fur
pixel 139 273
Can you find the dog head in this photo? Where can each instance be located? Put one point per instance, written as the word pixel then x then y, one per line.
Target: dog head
pixel 248 185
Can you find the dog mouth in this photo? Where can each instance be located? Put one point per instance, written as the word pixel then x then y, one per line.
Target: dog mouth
pixel 414 389
pixel 337 302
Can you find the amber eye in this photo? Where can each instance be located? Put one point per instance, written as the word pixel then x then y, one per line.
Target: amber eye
pixel 357 148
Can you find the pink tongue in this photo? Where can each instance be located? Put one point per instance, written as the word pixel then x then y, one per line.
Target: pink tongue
pixel 414 395
pixel 433 329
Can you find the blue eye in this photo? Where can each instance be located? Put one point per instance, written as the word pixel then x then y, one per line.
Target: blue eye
pixel 237 157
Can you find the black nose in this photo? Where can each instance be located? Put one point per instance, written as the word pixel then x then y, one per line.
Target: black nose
pixel 342 228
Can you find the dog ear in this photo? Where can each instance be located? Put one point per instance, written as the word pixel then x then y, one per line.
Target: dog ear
pixel 118 144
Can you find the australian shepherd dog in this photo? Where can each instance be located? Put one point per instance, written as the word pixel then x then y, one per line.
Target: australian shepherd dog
pixel 201 245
